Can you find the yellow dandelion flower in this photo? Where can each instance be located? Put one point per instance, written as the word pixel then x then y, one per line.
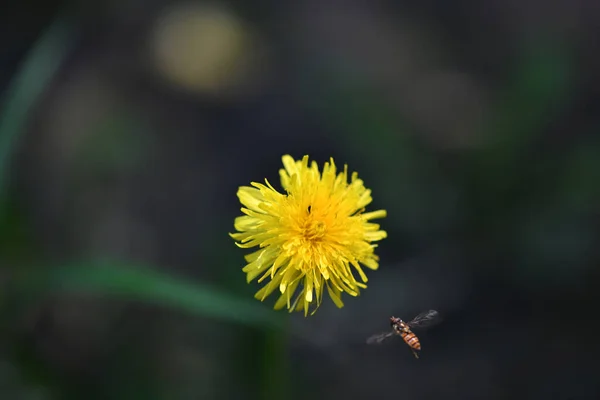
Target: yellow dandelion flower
pixel 312 234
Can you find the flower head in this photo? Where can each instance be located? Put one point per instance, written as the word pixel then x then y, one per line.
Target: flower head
pixel 314 234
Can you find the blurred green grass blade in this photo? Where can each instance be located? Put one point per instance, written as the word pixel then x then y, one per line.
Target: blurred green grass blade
pixel 540 86
pixel 141 283
pixel 38 69
pixel 577 184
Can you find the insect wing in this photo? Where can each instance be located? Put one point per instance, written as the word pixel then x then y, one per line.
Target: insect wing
pixel 425 320
pixel 380 337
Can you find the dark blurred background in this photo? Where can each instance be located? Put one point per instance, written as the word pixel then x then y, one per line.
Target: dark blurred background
pixel 126 128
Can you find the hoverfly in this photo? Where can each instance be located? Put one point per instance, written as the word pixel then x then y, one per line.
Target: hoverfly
pixel 403 329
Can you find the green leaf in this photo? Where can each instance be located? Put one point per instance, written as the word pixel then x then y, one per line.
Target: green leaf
pixel 540 86
pixel 500 173
pixel 141 283
pixel 577 184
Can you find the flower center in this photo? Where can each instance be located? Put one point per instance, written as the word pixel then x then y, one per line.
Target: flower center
pixel 314 230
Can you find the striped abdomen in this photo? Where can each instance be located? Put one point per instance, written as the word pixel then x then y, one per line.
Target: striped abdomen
pixel 412 340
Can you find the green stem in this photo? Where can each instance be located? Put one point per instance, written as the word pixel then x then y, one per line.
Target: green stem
pixel 275 366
